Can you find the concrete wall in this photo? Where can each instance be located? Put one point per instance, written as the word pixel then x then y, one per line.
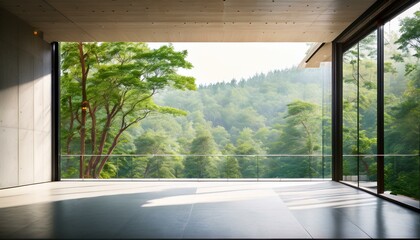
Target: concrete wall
pixel 25 104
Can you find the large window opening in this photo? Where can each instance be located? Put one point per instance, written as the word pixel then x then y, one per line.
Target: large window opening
pixel 402 106
pixel 135 110
pixel 388 57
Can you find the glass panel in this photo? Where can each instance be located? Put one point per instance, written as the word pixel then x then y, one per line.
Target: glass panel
pixel 359 113
pixel 203 166
pixel 350 114
pixel 367 111
pixel 402 178
pixel 70 166
pixel 326 120
pixel 402 106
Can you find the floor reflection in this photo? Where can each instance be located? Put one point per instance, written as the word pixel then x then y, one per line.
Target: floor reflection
pixel 200 210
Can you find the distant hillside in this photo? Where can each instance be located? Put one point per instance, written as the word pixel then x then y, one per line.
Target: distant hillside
pixel 257 105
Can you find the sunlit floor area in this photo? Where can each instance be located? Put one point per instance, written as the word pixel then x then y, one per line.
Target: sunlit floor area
pixel 115 210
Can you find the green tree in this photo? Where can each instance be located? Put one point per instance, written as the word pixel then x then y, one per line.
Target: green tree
pixel 305 117
pixel 249 147
pixel 201 163
pixel 221 137
pixel 410 34
pixel 108 87
pixel 301 134
pixel 231 167
pixel 157 165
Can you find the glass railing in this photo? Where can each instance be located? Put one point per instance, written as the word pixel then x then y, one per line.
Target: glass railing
pixel 361 171
pixel 401 175
pixel 402 178
pixel 274 167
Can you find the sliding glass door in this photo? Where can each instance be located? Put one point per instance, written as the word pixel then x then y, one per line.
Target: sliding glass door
pixel 359 113
pixel 381 110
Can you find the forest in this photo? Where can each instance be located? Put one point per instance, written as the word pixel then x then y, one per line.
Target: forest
pixel 127 113
pixel 224 130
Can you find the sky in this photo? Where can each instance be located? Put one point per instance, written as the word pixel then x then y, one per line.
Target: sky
pixel 217 62
pixel 395 22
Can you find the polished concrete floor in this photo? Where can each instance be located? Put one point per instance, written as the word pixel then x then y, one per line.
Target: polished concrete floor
pixel 116 210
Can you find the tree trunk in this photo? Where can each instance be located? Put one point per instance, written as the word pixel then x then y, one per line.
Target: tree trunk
pixel 104 135
pixel 92 112
pixel 309 136
pixel 84 101
pixel 111 148
pixel 70 136
pixel 82 144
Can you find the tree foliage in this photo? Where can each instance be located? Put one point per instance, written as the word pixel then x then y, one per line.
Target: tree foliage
pixel 201 163
pixel 107 88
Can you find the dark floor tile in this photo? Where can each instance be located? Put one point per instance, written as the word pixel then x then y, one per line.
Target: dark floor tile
pixel 245 223
pixel 328 223
pixel 156 222
pixel 384 220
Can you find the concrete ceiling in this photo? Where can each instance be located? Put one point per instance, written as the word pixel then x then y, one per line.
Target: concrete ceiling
pixel 188 20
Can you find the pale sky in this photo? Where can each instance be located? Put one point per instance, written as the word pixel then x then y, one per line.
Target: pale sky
pixel 216 62
pixel 394 23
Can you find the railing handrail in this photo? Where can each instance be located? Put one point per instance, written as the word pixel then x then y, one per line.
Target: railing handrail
pixel 195 155
pixel 238 155
pixel 382 155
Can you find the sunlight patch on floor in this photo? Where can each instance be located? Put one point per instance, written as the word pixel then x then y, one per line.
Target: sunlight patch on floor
pixel 225 196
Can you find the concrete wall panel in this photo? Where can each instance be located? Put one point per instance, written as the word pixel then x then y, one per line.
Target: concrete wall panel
pixel 8 28
pixel 26 39
pixel 26 90
pixel 39 160
pixel 9 107
pixel 47 103
pixel 9 157
pixel 25 104
pixel 26 156
pixel 38 104
pixel 9 77
pixel 46 143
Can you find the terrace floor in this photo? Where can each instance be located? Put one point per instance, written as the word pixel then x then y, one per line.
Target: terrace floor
pixel 115 210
